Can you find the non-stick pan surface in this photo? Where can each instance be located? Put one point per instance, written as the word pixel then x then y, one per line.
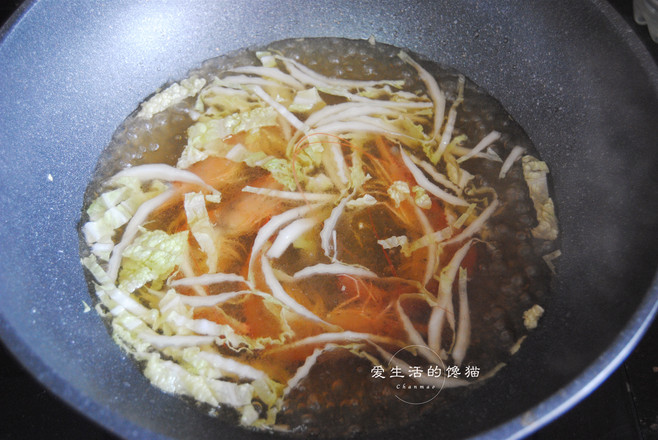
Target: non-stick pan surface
pixel 569 72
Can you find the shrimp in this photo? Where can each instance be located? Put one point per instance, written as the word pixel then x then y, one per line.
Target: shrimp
pixel 217 172
pixel 245 213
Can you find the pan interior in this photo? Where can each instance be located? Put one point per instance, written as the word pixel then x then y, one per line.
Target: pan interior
pixel 510 275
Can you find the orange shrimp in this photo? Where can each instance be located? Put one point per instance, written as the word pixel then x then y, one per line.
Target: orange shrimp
pixel 258 318
pixel 215 171
pixel 246 212
pixel 218 171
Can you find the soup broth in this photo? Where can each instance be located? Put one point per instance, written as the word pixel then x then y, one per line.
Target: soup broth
pixel 320 237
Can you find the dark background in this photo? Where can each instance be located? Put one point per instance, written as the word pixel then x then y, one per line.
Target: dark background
pixel 624 407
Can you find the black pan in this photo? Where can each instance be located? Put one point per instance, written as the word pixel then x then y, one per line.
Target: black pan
pixel 571 73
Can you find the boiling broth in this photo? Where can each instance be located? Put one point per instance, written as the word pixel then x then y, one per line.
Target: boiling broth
pixel 380 271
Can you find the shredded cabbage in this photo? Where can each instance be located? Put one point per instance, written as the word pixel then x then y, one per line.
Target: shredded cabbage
pixel 204 134
pixel 151 258
pixel 361 202
pixel 170 96
pixel 393 242
pixel 202 306
pixel 306 101
pixel 535 172
pixel 398 192
pixel 201 228
pixel 115 208
pixel 421 198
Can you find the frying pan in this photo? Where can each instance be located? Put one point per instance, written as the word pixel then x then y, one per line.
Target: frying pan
pixel 570 73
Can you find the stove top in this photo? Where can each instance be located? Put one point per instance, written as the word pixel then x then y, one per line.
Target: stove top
pixel 624 407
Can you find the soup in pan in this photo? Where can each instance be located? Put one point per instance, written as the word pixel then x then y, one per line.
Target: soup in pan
pixel 319 236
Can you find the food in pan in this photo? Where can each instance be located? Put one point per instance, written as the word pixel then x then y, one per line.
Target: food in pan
pixel 295 237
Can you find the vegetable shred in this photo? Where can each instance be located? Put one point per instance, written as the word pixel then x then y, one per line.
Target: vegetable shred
pixel 277 235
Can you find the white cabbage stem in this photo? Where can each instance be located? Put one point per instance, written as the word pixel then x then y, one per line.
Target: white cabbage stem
pixel 188 271
pixel 339 159
pixel 484 143
pixel 330 225
pixel 132 229
pixel 434 174
pixel 446 137
pixel 270 72
pixel 229 365
pixel 428 186
pixel 201 227
pixel 346 111
pixel 212 300
pixel 161 341
pixel 309 76
pixel 125 301
pixel 209 278
pixel 415 337
pixel 350 336
pixel 446 280
pixel 344 127
pixel 437 96
pixel 280 294
pixel 463 338
pixel 270 228
pixel 246 81
pixel 334 269
pixel 305 369
pixel 432 249
pixel 290 195
pixel 289 234
pixel 509 161
pixel 163 172
pixel 292 119
pixel 476 225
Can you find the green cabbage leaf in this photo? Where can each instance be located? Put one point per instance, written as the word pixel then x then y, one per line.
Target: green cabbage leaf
pixel 152 257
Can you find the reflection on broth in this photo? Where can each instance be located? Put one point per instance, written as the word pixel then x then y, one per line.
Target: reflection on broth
pixel 320 236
